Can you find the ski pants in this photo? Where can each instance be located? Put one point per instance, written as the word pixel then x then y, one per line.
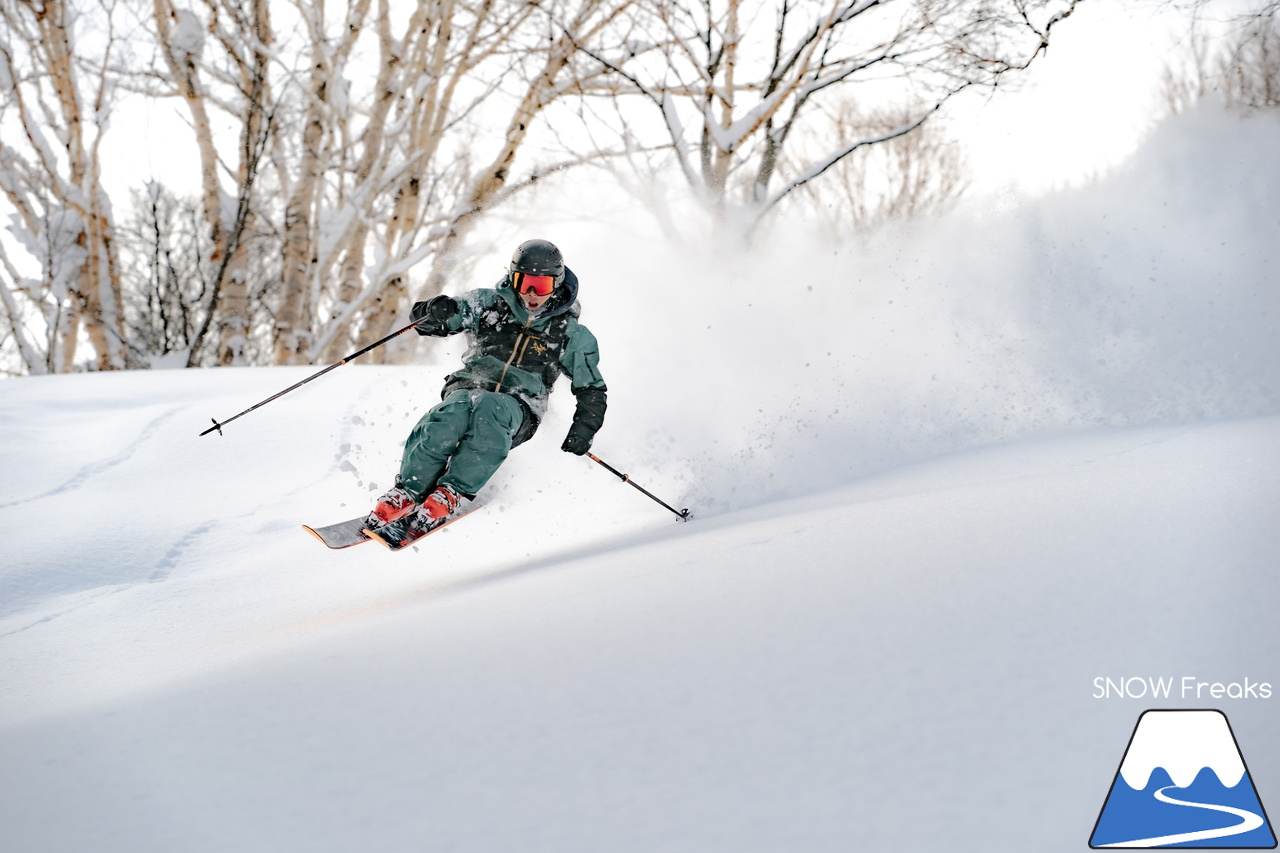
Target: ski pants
pixel 461 442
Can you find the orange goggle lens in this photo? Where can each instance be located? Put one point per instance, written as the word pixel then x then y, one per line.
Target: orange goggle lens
pixel 542 285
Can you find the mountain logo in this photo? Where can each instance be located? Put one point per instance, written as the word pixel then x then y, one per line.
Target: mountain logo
pixel 1183 783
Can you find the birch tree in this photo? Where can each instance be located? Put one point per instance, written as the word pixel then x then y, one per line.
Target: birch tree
pixel 371 140
pixel 396 174
pixel 56 96
pixel 219 63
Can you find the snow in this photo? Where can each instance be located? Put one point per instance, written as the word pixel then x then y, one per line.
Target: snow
pixel 939 487
pixel 187 36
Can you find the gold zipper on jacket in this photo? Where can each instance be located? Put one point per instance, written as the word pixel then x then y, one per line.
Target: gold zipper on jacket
pixel 514 348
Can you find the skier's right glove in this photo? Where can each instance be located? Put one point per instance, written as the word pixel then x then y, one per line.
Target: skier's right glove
pixel 432 317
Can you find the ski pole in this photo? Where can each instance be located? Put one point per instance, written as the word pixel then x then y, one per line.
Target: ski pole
pixel 626 478
pixel 218 426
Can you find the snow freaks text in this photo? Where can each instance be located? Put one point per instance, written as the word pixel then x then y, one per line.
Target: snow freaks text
pixel 1186 687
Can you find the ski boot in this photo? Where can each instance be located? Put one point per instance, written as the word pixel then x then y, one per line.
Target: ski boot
pixel 438 510
pixel 393 506
pixel 435 512
pixel 440 503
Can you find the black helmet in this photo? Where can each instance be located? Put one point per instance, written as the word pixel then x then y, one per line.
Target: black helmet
pixel 538 257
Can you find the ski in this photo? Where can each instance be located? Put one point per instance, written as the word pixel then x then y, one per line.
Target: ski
pixel 400 535
pixel 344 534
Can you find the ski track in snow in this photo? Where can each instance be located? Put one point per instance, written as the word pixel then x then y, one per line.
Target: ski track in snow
pixel 170 561
pixel 89 601
pixel 172 558
pixel 97 469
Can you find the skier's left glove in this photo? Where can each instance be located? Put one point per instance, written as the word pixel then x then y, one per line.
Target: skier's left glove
pixel 432 317
pixel 577 442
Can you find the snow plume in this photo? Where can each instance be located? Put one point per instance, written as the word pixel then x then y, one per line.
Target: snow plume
pixel 761 372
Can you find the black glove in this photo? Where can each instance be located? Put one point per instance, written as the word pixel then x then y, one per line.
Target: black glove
pixel 587 419
pixel 577 442
pixel 431 317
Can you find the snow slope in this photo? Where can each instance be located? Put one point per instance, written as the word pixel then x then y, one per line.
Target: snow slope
pixel 902 663
pixel 880 632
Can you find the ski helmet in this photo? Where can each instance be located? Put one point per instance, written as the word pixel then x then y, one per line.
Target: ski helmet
pixel 538 257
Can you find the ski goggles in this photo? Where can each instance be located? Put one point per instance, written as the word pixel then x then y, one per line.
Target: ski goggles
pixel 542 285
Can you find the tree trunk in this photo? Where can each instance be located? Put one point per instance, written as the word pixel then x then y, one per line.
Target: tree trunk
pixel 294 322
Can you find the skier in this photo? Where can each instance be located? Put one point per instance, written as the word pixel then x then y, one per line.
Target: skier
pixel 523 334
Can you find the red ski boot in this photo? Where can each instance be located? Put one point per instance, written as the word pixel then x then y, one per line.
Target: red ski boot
pixel 442 502
pixel 392 506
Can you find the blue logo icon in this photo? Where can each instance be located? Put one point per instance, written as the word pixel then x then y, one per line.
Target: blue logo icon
pixel 1183 783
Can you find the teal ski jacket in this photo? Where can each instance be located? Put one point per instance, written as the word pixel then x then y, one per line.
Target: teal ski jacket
pixel 513 352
